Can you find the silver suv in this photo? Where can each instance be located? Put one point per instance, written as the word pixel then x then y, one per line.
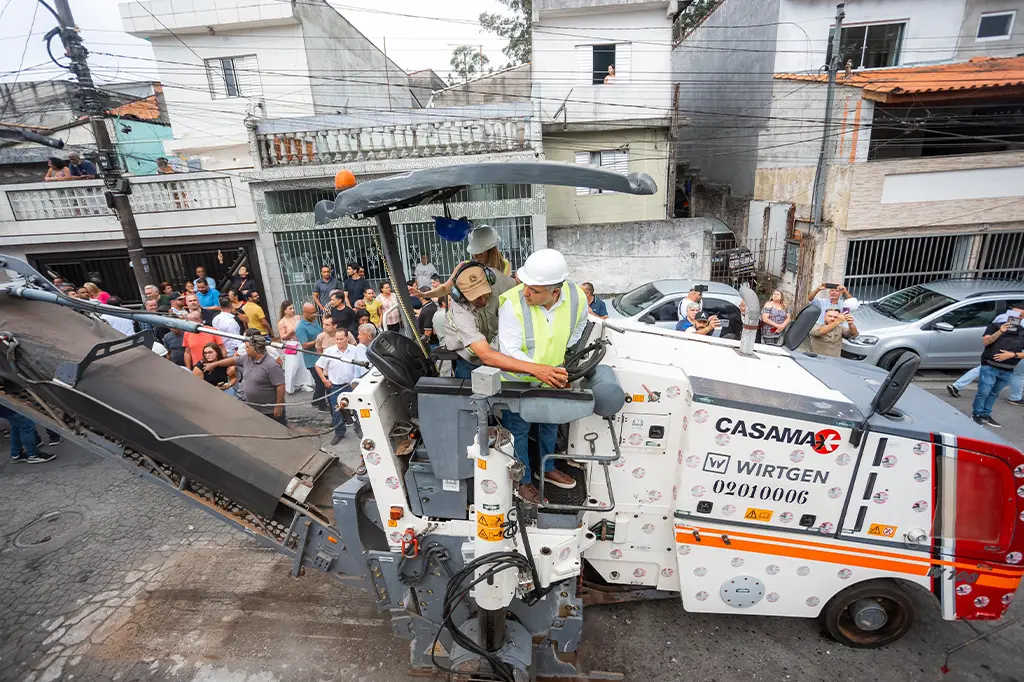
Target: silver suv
pixel 942 322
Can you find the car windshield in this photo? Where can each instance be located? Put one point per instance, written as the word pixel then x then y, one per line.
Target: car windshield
pixel 911 304
pixel 639 299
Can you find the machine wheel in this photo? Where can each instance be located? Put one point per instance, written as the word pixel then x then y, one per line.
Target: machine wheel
pixel 890 358
pixel 869 615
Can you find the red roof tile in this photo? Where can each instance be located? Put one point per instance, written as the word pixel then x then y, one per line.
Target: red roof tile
pixel 982 74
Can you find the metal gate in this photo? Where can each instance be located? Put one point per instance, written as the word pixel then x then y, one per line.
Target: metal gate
pixel 876 267
pixel 303 252
pixel 114 272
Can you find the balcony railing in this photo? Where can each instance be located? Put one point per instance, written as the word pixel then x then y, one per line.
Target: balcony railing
pixel 149 195
pixel 424 139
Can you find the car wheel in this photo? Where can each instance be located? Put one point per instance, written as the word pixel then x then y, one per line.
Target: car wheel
pixel 890 358
pixel 869 615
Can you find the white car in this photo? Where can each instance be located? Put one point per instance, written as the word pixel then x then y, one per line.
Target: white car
pixel 657 303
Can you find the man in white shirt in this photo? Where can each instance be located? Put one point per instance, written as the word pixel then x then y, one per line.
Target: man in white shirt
pixel 424 271
pixel 337 374
pixel 225 321
pixel 121 324
pixel 537 322
pixel 366 334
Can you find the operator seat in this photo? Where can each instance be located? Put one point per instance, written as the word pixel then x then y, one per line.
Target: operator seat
pixel 401 361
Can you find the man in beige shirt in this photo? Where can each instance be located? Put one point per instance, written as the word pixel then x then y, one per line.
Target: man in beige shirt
pixel 827 338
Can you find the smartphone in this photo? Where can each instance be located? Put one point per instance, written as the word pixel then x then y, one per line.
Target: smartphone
pixel 831 285
pixel 1013 320
pixel 700 287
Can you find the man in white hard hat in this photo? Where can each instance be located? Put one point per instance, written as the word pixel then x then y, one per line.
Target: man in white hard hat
pixel 471 325
pixel 537 321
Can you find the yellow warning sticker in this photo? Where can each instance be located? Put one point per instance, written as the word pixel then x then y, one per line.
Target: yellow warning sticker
pixel 489 526
pixel 392 523
pixel 639 397
pixel 481 463
pixel 753 514
pixel 364 414
pixel 882 530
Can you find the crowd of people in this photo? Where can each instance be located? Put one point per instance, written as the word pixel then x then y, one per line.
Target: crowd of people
pixel 480 315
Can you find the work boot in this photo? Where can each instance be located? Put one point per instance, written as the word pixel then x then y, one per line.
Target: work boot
pixel 529 493
pixel 560 478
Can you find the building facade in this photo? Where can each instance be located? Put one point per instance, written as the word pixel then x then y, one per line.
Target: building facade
pixel 255 59
pixel 599 74
pixel 297 158
pixel 924 177
pixel 724 65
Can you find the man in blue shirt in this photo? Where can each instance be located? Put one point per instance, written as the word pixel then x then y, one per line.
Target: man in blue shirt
pixel 209 299
pixel 306 332
pixel 81 169
pixel 201 274
pixel 597 306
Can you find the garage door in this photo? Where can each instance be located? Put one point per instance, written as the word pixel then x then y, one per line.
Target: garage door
pixel 876 267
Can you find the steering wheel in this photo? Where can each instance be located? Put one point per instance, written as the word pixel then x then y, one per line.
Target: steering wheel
pixel 586 359
pixel 399 359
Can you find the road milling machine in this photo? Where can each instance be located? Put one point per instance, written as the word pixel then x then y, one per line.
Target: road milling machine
pixel 739 478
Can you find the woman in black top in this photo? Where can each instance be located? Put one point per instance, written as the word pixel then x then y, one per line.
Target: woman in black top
pixel 243 284
pixel 222 377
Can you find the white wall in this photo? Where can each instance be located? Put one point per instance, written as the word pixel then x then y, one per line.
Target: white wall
pixel 930 34
pixel 642 91
pixel 201 122
pixel 977 183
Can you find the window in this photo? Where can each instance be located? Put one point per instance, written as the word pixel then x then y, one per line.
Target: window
pixel 971 315
pixel 996 26
pixel 604 57
pixel 868 47
pixel 594 61
pixel 614 160
pixel 234 77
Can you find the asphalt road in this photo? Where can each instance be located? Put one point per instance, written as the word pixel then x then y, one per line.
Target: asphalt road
pixel 148 587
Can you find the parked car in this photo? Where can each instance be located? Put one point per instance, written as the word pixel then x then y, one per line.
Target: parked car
pixel 659 301
pixel 942 322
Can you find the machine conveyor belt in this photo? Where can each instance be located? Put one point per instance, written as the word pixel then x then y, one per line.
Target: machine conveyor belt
pixel 253 466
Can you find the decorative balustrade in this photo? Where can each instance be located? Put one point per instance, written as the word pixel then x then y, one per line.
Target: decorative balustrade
pixel 86 198
pixel 412 140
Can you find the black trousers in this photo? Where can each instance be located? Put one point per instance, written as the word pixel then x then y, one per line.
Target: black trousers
pixel 319 390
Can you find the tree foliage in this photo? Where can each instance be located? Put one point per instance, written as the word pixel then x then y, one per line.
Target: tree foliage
pixel 468 62
pixel 515 29
pixel 693 15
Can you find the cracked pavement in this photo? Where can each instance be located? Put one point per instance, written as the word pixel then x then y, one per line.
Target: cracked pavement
pixel 149 587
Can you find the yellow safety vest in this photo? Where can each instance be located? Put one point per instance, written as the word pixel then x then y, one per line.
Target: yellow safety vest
pixel 545 344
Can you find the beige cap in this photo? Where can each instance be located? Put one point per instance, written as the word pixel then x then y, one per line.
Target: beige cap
pixel 473 284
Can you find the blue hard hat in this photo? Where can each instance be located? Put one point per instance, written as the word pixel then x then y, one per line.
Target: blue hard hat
pixel 451 230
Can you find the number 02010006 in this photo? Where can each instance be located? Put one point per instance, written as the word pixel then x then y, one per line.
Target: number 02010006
pixel 760 492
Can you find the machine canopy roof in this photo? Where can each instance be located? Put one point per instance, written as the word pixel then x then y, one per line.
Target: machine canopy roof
pixel 431 185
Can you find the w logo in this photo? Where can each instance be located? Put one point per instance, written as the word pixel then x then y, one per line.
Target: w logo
pixel 716 464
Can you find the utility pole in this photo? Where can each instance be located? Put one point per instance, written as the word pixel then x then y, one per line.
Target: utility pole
pixel 821 173
pixel 118 187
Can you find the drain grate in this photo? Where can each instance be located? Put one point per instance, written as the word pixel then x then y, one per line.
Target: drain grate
pixel 50 530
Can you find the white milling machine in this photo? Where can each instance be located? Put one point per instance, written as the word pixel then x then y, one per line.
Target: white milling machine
pixel 742 479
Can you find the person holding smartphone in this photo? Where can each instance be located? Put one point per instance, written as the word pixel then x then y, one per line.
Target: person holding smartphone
pixel 1004 349
pixel 836 293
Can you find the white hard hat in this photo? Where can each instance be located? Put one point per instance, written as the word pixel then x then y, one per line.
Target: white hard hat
pixel 482 239
pixel 543 268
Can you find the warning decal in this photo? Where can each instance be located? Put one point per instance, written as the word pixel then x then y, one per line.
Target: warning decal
pixel 763 515
pixel 881 530
pixel 489 526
